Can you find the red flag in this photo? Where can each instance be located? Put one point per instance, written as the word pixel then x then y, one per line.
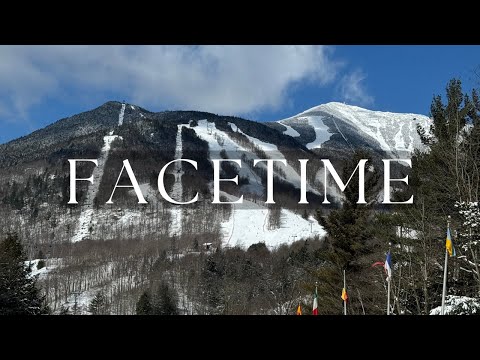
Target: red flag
pixel 315 303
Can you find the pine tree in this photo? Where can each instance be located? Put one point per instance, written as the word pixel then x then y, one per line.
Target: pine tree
pixel 144 304
pixel 443 176
pixel 98 304
pixel 18 292
pixel 165 301
pixel 350 227
pixel 351 242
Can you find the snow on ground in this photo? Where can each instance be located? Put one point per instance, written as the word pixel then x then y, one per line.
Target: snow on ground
pixel 321 131
pixel 85 219
pixel 132 107
pixel 208 132
pixel 267 147
pixel 217 139
pixel 290 131
pixel 50 265
pixel 406 233
pixel 458 305
pixel 249 225
pixel 130 217
pixel 395 132
pixel 86 215
pixel 272 151
pixel 121 115
pixel 177 190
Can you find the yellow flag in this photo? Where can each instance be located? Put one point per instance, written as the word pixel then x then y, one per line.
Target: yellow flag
pixel 299 310
pixel 344 294
pixel 449 244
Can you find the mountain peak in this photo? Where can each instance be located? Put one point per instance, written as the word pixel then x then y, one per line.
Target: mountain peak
pixel 335 106
pixel 393 133
pixel 110 104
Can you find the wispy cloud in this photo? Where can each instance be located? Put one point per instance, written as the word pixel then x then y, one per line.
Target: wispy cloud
pixel 352 89
pixel 222 79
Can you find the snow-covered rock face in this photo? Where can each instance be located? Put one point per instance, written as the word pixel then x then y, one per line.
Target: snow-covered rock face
pixel 392 133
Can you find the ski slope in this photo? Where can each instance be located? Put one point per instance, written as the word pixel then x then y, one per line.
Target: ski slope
pixel 248 225
pixel 219 140
pixel 177 189
pixel 86 215
pixel 121 115
pixel 290 131
pixel 85 220
pixel 395 132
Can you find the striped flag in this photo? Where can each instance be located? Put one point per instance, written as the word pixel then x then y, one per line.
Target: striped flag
pixel 388 266
pixel 344 294
pixel 315 303
pixel 299 310
pixel 449 244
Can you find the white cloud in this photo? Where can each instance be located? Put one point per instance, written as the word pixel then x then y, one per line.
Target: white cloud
pixel 352 89
pixel 221 79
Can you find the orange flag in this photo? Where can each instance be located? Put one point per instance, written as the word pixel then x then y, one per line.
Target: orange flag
pixel 344 294
pixel 299 310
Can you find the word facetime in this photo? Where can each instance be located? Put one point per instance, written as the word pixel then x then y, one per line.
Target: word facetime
pixel 329 170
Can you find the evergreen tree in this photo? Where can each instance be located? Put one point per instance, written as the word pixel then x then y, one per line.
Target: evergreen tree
pixel 350 227
pixel 98 304
pixel 445 175
pixel 40 264
pixel 18 292
pixel 351 243
pixel 165 301
pixel 144 304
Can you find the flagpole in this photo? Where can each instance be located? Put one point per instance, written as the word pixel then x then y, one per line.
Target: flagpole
pixel 345 287
pixel 444 292
pixel 389 281
pixel 388 295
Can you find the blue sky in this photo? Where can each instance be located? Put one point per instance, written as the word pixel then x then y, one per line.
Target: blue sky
pixel 41 84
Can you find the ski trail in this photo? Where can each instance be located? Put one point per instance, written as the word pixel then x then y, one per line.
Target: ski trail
pixel 86 215
pixel 177 190
pixel 121 115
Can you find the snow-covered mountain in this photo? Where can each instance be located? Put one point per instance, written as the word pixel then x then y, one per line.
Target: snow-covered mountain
pixel 336 123
pixel 35 170
pixel 110 247
pixel 117 131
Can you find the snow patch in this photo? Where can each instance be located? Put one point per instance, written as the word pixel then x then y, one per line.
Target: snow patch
pixel 290 131
pixel 248 226
pixel 177 189
pixel 121 115
pixel 396 133
pixel 458 305
pixel 321 131
pixel 85 224
pixel 393 131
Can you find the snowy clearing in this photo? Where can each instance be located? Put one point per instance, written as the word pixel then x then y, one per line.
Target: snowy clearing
pixel 248 226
